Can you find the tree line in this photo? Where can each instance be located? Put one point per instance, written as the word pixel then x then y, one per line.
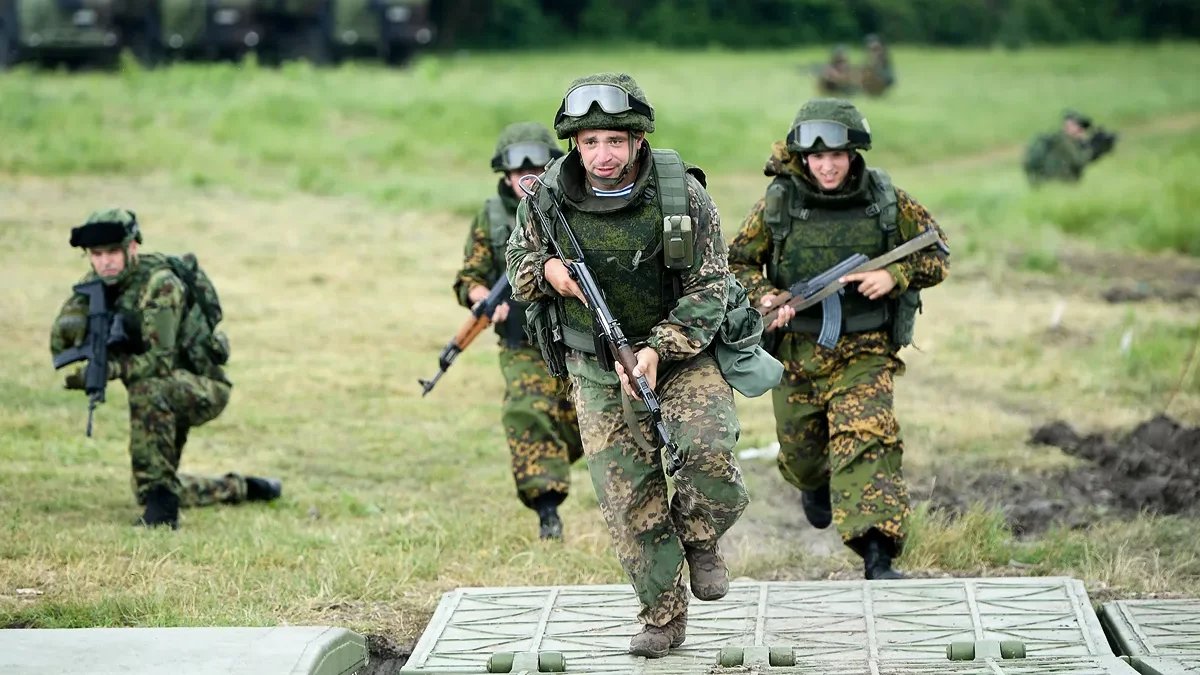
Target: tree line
pixel 741 24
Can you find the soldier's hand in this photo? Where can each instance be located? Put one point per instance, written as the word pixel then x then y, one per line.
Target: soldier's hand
pixel 782 317
pixel 560 279
pixel 647 364
pixel 874 284
pixel 75 379
pixel 501 313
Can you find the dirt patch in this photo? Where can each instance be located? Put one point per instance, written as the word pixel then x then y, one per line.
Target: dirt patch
pixel 385 655
pixel 1150 469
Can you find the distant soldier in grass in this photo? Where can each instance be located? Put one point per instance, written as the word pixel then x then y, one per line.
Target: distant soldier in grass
pixel 170 364
pixel 667 287
pixel 1063 155
pixel 838 77
pixel 839 439
pixel 538 416
pixel 877 73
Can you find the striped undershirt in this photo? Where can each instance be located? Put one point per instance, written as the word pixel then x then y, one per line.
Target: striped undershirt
pixel 622 192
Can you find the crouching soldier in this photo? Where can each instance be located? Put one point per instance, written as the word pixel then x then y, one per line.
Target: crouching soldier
pixel 159 313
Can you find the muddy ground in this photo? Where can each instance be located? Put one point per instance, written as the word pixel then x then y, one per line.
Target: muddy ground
pixel 1152 469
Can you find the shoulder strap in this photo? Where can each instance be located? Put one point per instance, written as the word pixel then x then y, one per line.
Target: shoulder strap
pixel 672 187
pixel 499 222
pixel 884 205
pixel 777 218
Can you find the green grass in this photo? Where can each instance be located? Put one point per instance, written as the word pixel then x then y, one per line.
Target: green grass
pixel 329 207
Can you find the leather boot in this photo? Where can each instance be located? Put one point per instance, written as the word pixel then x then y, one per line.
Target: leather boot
pixel 817 506
pixel 655 642
pixel 162 508
pixel 877 550
pixel 549 524
pixel 263 489
pixel 707 572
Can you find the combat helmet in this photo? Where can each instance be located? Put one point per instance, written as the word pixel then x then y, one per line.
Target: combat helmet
pixel 829 124
pixel 612 101
pixel 106 227
pixel 524 145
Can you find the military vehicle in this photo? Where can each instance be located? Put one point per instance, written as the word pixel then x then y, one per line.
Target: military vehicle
pixel 327 31
pixel 95 31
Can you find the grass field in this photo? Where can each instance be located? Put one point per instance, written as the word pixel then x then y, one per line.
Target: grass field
pixel 330 208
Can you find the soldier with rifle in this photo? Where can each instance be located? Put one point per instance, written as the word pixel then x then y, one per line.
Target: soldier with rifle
pixel 149 320
pixel 835 256
pixel 538 417
pixel 619 250
pixel 1063 155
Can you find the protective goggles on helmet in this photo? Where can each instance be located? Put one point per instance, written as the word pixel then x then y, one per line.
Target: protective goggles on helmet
pixel 611 99
pixel 522 155
pixel 832 134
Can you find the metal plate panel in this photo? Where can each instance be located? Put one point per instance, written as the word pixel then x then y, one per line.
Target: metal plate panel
pixel 1154 627
pixel 1158 665
pixel 825 622
pixel 290 650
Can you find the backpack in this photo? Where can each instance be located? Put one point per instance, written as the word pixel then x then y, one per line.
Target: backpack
pixel 204 347
pixel 1035 154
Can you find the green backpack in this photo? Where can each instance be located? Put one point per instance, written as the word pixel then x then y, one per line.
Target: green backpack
pixel 203 345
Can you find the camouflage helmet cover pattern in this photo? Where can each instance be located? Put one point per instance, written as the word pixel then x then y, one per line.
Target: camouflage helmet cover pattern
pixel 531 135
pixel 596 118
pixel 836 110
pixel 106 227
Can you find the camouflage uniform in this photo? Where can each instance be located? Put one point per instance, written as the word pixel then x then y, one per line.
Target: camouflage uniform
pixel 834 412
pixel 651 532
pixel 1060 156
pixel 538 417
pixel 166 399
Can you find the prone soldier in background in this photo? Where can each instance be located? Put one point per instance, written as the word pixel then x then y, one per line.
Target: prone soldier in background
pixel 1063 154
pixel 170 361
pixel 538 416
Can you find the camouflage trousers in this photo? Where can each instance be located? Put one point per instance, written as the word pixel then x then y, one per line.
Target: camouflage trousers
pixel 835 423
pixel 539 422
pixel 648 530
pixel 161 412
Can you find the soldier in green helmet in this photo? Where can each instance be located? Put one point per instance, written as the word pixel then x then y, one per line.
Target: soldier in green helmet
pixel 1063 155
pixel 839 440
pixel 618 195
pixel 538 417
pixel 171 366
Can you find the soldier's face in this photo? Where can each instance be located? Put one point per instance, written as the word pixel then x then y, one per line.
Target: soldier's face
pixel 514 179
pixel 829 168
pixel 109 261
pixel 1074 129
pixel 606 153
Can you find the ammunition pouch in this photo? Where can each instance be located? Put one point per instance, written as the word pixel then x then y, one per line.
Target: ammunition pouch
pixel 543 326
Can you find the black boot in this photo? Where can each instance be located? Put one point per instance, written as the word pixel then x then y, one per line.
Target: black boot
pixel 877 550
pixel 162 508
pixel 263 489
pixel 817 506
pixel 549 524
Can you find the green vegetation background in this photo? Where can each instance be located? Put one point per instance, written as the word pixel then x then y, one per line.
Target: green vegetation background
pixel 330 207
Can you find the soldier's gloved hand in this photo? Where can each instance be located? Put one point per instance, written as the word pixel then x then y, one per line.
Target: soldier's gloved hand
pixel 74 380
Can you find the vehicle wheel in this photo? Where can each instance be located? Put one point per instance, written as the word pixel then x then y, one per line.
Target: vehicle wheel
pixel 397 54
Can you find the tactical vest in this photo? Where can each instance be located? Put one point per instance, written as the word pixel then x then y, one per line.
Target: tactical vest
pixel 625 250
pixel 811 232
pixel 500 224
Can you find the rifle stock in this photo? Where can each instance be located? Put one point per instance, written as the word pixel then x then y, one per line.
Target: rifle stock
pixel 476 323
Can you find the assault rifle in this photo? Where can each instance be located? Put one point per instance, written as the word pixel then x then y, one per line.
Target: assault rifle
pixel 104 330
pixel 1101 142
pixel 481 318
pixel 611 341
pixel 825 288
